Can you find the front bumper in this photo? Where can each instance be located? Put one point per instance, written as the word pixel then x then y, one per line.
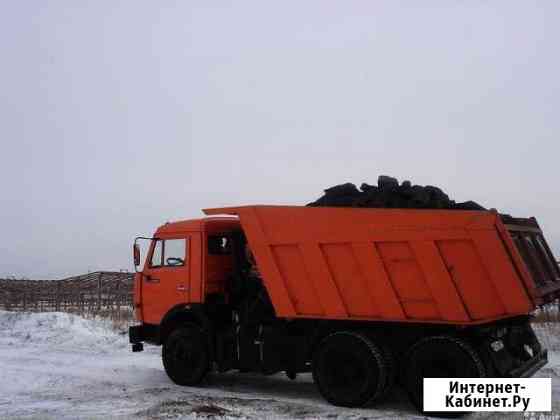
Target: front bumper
pixel 136 334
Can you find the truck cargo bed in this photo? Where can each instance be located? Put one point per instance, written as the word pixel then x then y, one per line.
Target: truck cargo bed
pixel 437 266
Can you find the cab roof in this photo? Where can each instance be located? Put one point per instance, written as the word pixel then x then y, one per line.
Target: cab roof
pixel 205 224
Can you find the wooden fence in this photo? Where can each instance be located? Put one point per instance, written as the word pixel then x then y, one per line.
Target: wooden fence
pixel 103 293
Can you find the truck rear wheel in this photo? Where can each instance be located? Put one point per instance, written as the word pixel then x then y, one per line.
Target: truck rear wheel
pixel 185 355
pixel 391 368
pixel 439 357
pixel 349 369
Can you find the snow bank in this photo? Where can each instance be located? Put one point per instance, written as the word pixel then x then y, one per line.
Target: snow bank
pixel 58 329
pixel 61 366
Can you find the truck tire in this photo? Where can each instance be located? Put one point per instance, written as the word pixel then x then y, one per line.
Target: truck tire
pixel 439 357
pixel 349 369
pixel 392 370
pixel 185 355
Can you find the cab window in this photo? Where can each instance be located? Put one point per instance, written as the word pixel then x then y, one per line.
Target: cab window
pixel 169 253
pixel 219 245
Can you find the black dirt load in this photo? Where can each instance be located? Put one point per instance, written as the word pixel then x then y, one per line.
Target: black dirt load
pixel 388 193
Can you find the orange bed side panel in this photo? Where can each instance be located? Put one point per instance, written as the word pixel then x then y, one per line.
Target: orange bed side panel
pixel 384 264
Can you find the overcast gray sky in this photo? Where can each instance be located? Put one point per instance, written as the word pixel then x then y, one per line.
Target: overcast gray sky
pixel 116 116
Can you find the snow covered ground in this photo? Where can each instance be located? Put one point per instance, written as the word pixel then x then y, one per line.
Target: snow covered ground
pixel 61 366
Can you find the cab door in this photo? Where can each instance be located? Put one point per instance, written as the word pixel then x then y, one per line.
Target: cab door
pixel 166 277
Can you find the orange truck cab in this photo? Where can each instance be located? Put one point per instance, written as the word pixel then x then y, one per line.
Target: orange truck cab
pixel 359 297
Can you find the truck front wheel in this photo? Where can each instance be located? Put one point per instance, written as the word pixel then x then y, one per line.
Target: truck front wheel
pixel 349 369
pixel 185 355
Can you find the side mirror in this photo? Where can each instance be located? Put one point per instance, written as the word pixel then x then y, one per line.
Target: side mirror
pixel 136 253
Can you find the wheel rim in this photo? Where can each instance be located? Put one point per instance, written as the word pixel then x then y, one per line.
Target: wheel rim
pixel 440 368
pixel 443 357
pixel 345 374
pixel 185 356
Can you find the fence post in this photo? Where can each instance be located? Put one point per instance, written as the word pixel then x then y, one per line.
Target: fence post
pixel 99 292
pixel 118 298
pixel 57 297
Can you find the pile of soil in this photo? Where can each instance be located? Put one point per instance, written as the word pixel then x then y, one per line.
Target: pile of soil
pixel 388 193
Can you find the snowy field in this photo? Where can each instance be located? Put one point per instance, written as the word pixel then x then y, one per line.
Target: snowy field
pixel 61 366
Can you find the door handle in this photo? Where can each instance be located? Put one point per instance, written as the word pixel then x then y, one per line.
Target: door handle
pixel 150 279
pixel 181 287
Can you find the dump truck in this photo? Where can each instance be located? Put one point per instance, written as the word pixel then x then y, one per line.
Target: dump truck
pixel 361 298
